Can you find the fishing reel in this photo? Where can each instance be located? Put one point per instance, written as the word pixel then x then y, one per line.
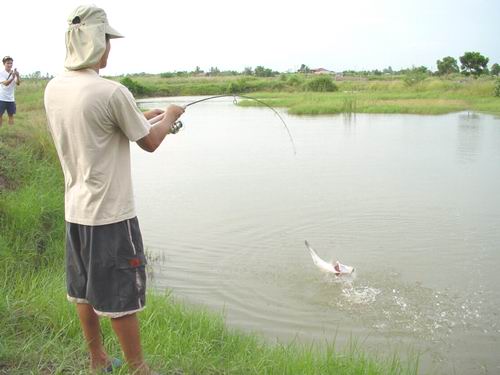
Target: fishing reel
pixel 176 127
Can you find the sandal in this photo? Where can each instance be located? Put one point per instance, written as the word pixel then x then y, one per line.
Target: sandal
pixel 115 363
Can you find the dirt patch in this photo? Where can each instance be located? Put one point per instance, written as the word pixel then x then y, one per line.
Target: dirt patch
pixel 3 183
pixel 13 140
pixel 7 164
pixel 5 369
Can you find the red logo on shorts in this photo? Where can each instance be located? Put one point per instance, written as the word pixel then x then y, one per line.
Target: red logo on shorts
pixel 134 262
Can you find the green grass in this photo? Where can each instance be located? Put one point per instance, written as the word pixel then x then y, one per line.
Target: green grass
pixel 39 330
pixel 434 95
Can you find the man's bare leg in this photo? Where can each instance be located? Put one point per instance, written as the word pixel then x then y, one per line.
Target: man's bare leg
pixel 11 119
pixel 1 120
pixel 91 327
pixel 127 330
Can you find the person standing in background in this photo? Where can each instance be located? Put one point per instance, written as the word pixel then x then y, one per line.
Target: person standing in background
pixel 9 79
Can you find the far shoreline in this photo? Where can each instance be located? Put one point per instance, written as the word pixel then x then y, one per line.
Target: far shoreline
pixel 431 96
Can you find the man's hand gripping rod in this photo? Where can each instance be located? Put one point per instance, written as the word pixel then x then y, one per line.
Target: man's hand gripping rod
pixel 176 126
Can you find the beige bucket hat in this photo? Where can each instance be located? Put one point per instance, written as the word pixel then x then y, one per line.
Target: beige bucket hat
pixel 86 37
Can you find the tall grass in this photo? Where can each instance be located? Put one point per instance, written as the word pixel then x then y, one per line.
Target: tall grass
pixel 39 330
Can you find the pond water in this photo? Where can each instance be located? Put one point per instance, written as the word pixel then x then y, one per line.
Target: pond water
pixel 413 202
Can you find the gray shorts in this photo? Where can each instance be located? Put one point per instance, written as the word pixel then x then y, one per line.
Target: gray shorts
pixel 105 267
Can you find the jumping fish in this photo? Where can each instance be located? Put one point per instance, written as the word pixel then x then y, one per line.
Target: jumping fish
pixel 337 268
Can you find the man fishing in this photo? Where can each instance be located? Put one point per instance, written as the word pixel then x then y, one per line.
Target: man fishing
pixel 92 121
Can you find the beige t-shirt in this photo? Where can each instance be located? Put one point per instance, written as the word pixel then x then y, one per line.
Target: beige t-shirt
pixel 92 121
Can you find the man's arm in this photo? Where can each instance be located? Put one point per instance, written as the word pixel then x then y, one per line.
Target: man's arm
pixel 153 113
pixel 159 131
pixel 9 80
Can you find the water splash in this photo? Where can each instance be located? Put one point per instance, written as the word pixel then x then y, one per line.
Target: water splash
pixel 392 307
pixel 361 295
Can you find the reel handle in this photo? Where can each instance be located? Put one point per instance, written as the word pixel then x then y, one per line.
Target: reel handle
pixel 176 127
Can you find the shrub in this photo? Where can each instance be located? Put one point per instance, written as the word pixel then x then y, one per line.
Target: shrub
pixel 496 91
pixel 238 87
pixel 414 76
pixel 135 87
pixel 278 86
pixel 295 80
pixel 233 88
pixel 321 84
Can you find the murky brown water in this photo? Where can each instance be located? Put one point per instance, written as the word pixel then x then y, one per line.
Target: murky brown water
pixel 413 202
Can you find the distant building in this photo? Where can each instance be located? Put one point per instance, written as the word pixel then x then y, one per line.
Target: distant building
pixel 321 71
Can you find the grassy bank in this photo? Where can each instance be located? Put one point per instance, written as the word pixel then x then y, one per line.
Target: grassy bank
pixel 433 95
pixel 39 332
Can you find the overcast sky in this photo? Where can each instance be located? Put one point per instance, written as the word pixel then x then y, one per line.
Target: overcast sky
pixel 163 36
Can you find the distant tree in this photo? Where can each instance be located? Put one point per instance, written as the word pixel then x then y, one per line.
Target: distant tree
pixel 37 75
pixel 351 72
pixel 260 71
pixel 447 66
pixel 248 71
pixel 214 71
pixel 388 70
pixel 304 69
pixel 473 63
pixel 197 70
pixel 495 70
pixel 421 69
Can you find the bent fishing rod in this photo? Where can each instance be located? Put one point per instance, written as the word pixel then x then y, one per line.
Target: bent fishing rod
pixel 178 124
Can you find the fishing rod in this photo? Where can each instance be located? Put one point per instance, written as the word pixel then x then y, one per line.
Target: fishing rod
pixel 178 124
pixel 12 72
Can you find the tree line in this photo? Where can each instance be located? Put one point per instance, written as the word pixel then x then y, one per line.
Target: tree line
pixel 471 64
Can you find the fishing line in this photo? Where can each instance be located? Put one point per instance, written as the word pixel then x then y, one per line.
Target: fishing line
pixel 250 98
